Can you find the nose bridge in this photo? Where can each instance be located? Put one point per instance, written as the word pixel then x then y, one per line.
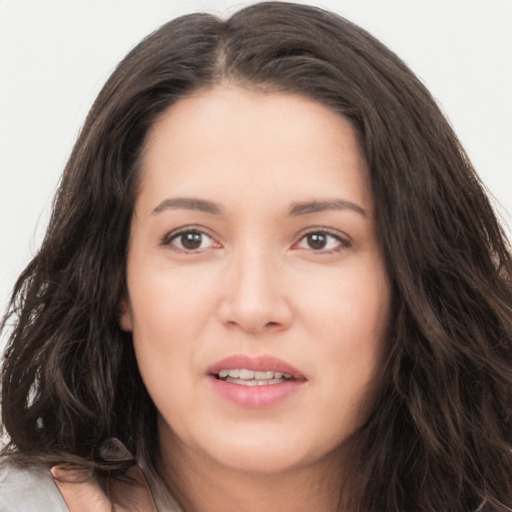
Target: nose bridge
pixel 253 296
pixel 254 273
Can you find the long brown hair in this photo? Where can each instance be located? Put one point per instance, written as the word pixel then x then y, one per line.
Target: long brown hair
pixel 439 438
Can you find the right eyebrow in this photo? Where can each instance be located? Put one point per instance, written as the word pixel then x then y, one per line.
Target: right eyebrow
pixel 188 203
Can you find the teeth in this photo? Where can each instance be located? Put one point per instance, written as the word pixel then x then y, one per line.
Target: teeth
pixel 246 374
pixel 254 382
pixel 252 378
pixel 263 375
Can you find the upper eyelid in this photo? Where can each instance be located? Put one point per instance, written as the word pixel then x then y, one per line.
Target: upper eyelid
pixel 329 231
pixel 343 237
pixel 169 241
pixel 344 241
pixel 178 231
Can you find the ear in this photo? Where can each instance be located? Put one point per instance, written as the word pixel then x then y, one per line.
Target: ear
pixel 125 316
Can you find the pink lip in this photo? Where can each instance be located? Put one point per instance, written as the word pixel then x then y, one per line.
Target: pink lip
pixel 256 397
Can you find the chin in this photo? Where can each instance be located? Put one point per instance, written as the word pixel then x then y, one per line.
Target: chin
pixel 259 459
pixel 275 451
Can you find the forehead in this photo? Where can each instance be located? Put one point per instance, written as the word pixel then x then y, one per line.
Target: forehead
pixel 232 139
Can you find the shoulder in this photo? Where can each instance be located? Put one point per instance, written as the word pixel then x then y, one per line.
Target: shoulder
pixel 28 488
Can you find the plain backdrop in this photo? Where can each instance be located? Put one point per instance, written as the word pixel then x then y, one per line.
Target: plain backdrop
pixel 55 56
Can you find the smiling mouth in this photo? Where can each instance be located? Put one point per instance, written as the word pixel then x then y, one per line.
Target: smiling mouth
pixel 255 382
pixel 246 377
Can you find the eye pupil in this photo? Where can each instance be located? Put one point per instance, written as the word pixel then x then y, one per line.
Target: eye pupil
pixel 191 240
pixel 317 240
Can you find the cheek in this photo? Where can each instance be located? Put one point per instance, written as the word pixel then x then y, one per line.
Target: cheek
pixel 166 326
pixel 170 308
pixel 350 323
pixel 352 304
pixel 169 303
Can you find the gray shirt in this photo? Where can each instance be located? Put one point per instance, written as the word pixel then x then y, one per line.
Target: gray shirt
pixel 32 489
pixel 28 489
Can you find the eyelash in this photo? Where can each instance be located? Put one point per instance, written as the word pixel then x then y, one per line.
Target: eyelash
pixel 342 242
pixel 175 235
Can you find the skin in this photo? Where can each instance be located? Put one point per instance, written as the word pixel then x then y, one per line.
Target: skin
pixel 256 285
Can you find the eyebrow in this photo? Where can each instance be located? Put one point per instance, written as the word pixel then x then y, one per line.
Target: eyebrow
pixel 188 203
pixel 192 203
pixel 329 204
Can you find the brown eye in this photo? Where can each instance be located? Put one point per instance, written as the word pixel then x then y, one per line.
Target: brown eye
pixel 190 240
pixel 317 241
pixel 322 241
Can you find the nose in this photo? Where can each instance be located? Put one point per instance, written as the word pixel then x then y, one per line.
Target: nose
pixel 254 295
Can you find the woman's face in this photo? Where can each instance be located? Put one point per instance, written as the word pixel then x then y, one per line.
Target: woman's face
pixel 253 249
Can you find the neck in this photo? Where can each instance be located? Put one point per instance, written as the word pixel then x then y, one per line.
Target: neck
pixel 200 484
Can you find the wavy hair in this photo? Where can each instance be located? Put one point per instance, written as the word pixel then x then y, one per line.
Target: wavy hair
pixel 439 437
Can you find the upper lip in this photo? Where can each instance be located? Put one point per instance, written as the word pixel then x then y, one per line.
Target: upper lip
pixel 258 364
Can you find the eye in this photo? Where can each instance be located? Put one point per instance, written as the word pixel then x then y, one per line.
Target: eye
pixel 322 241
pixel 190 240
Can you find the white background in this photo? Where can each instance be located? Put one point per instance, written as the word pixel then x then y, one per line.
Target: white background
pixel 55 56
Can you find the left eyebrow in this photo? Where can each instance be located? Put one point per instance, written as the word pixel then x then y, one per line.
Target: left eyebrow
pixel 328 204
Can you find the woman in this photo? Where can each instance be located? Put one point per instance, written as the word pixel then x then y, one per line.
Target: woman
pixel 271 280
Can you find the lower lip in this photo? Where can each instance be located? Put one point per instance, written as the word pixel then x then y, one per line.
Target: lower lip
pixel 256 397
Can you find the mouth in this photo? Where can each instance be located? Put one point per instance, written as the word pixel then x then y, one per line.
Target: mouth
pixel 255 382
pixel 254 371
pixel 246 377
